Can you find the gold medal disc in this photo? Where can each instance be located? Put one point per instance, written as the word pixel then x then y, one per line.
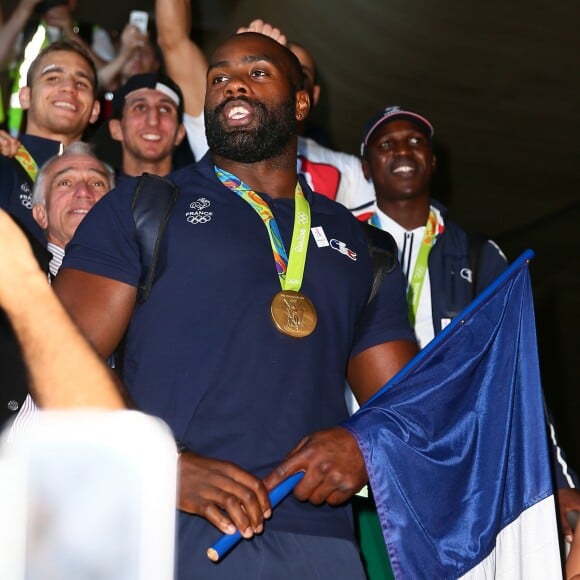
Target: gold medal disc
pixel 293 314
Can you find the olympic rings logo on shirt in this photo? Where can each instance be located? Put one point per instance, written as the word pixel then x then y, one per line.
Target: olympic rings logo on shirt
pixel 198 217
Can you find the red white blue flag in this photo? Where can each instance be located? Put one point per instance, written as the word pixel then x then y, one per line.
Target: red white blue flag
pixel 456 448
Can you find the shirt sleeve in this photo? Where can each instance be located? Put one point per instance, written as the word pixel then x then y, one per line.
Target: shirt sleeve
pixel 195 130
pixel 105 242
pixel 385 318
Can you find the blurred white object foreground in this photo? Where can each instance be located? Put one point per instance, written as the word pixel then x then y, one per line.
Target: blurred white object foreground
pixel 88 495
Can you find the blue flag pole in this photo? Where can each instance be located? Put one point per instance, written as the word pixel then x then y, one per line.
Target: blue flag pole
pixel 227 542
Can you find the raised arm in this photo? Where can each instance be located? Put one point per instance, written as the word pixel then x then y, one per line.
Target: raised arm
pixel 184 60
pixel 12 27
pixel 131 40
pixel 62 17
pixel 64 370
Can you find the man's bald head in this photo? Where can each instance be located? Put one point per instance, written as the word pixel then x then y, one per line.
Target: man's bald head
pixel 261 46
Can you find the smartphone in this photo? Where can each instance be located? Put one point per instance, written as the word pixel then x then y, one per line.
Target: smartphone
pixel 88 494
pixel 140 19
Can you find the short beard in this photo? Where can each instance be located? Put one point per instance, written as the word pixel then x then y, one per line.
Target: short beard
pixel 268 140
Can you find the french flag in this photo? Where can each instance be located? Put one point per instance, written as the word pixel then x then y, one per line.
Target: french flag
pixel 456 448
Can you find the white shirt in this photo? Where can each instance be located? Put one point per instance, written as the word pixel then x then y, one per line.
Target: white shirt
pixel 336 175
pixel 195 131
pixel 57 257
pixel 408 244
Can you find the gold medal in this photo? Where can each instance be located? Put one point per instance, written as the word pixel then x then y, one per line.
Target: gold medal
pixel 293 314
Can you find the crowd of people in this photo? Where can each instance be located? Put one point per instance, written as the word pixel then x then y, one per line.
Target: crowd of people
pixel 249 375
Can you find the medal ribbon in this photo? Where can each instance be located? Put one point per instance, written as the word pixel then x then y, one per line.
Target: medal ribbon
pixel 27 162
pixel 290 269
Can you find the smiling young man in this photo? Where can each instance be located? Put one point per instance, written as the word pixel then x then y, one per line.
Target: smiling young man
pixel 445 267
pixel 147 119
pixel 397 151
pixel 398 158
pixel 60 102
pixel 244 342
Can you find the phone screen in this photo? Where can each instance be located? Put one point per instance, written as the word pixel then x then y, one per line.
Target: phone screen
pixel 140 19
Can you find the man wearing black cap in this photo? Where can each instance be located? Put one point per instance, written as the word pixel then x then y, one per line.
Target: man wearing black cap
pixel 147 119
pixel 398 158
pixel 445 266
pixel 397 155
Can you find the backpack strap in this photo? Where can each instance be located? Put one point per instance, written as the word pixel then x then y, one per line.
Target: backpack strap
pixel 152 203
pixel 383 250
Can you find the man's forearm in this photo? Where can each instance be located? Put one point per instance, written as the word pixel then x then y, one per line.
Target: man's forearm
pixel 64 370
pixel 12 28
pixel 173 19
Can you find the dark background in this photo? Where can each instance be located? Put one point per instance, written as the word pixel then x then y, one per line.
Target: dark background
pixel 501 83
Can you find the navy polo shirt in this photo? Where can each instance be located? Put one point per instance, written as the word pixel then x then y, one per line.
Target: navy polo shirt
pixel 16 185
pixel 203 354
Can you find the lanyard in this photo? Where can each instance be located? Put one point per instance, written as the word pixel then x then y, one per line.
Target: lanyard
pixel 421 264
pixel 27 162
pixel 290 269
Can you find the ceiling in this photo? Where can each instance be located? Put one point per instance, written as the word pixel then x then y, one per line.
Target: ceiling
pixel 499 80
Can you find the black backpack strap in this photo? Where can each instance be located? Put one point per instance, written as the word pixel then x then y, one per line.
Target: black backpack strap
pixel 153 200
pixel 383 251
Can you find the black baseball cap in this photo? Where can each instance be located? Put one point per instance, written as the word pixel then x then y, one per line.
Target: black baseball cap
pixel 391 114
